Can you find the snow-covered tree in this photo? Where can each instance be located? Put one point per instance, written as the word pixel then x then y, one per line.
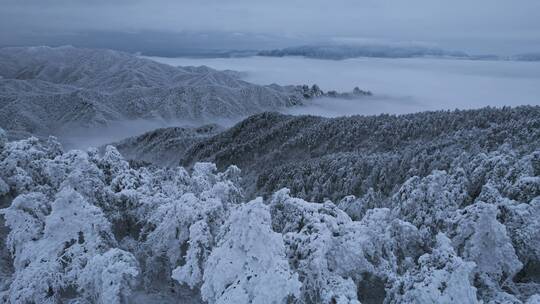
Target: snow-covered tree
pixel 3 139
pixel 450 216
pixel 26 220
pixel 200 246
pixel 309 231
pixel 339 259
pixel 356 208
pixel 428 203
pixel 52 259
pixel 248 265
pixel 481 238
pixel 109 277
pixel 534 299
pixel 441 277
pixel 198 213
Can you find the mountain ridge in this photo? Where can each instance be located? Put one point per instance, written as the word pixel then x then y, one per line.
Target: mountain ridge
pixel 320 158
pixel 47 90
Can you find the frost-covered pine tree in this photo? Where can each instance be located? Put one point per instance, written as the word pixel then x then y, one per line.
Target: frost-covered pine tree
pixel 429 202
pixel 191 220
pixel 481 238
pixel 62 238
pixel 248 265
pixel 441 277
pixel 109 277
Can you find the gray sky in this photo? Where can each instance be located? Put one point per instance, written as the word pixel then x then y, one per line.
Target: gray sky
pixel 481 26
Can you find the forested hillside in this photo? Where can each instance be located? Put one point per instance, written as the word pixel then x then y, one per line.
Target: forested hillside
pixel 54 90
pixel 165 146
pixel 80 227
pixel 319 158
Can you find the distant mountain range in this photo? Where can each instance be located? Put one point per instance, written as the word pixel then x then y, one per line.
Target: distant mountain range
pixel 339 52
pixel 222 44
pixel 52 90
pixel 350 51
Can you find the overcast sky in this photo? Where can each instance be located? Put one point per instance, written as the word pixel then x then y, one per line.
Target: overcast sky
pixel 481 26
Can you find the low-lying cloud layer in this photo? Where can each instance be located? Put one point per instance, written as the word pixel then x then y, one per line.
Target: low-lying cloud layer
pixel 400 85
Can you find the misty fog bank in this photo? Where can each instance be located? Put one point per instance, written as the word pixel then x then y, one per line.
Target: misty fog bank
pixel 400 85
pixel 84 138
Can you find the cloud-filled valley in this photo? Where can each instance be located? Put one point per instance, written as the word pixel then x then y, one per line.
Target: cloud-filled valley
pixel 399 85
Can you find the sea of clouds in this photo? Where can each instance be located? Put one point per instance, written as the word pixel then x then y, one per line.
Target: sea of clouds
pixel 399 85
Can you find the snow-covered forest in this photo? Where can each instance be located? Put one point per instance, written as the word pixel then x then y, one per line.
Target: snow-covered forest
pixel 445 210
pixel 269 152
pixel 320 158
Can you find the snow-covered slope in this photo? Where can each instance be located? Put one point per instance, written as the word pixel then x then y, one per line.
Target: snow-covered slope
pixel 320 158
pixel 81 227
pixel 165 146
pixel 101 69
pixel 50 90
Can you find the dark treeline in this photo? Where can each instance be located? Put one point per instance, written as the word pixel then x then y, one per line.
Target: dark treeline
pixel 320 158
